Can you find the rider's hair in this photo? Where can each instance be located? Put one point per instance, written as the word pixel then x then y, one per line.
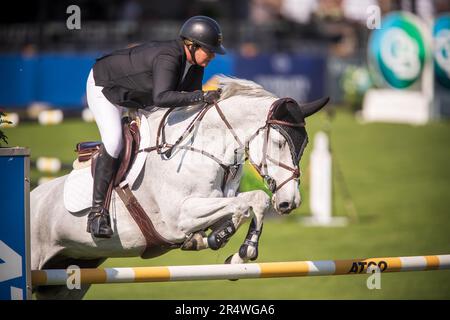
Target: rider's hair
pixel 188 42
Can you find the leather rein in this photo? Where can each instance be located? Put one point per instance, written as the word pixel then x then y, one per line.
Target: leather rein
pixel 162 147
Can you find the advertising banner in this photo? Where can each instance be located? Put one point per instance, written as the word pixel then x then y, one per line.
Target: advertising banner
pixel 400 66
pixel 441 50
pixel 397 51
pixel 301 77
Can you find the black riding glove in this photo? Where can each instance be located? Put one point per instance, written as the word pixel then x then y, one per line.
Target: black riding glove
pixel 211 96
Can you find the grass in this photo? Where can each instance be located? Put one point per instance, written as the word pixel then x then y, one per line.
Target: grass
pixel 398 179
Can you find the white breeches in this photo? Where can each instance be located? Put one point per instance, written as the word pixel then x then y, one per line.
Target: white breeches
pixel 107 116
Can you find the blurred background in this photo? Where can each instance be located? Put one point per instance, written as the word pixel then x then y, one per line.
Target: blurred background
pixel 300 48
pixel 390 166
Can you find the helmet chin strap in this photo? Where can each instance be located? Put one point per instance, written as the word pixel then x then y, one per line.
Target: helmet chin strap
pixel 192 50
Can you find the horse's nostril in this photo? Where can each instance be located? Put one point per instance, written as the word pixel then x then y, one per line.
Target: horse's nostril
pixel 284 205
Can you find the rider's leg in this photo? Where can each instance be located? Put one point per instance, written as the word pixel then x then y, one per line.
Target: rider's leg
pixel 99 222
pixel 108 119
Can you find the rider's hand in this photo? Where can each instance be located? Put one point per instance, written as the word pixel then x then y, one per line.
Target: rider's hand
pixel 211 96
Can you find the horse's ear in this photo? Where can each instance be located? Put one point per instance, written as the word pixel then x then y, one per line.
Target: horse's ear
pixel 312 107
pixel 288 110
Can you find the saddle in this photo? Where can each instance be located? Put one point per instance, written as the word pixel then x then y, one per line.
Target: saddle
pixel 89 150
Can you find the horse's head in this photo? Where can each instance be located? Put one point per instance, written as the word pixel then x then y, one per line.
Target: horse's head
pixel 276 148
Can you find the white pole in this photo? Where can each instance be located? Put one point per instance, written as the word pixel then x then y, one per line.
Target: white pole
pixel 321 184
pixel 241 271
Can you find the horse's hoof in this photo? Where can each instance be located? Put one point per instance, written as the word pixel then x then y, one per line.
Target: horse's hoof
pixel 228 260
pixel 195 242
pixel 249 251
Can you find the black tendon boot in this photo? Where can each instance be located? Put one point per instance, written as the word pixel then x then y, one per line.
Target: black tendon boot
pixel 99 222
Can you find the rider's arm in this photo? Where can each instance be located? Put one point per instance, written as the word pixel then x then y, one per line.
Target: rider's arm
pixel 165 80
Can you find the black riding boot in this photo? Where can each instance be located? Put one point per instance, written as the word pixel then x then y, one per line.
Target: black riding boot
pixel 99 222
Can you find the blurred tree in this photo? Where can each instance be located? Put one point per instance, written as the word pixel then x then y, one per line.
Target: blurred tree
pixel 355 82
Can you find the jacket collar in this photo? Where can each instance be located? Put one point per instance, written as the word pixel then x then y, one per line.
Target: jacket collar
pixel 183 61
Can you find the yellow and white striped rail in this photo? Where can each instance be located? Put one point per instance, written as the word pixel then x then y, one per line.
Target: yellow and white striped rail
pixel 242 271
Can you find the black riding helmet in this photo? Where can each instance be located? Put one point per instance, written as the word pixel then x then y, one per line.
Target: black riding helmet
pixel 203 32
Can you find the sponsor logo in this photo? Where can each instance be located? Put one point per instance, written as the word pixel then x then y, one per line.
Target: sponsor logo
pixel 365 266
pixel 398 50
pixel 441 52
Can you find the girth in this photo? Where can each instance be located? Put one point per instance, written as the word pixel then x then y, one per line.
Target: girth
pixel 156 245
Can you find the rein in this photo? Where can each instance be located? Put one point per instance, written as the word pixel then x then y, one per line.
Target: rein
pixel 162 147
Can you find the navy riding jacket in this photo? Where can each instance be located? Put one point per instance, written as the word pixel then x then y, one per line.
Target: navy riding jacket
pixel 149 74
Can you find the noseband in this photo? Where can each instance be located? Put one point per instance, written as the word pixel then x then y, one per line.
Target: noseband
pixel 162 147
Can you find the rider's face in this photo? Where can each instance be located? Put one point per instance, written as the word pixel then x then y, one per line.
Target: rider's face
pixel 203 56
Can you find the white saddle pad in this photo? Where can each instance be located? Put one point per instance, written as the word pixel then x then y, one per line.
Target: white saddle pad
pixel 79 184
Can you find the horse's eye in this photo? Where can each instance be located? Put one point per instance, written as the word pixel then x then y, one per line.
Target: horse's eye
pixel 271 184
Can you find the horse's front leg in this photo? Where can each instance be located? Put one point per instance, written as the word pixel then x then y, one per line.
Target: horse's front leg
pixel 199 214
pixel 227 213
pixel 249 249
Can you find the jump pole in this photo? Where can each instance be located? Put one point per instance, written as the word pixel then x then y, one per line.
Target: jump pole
pixel 242 271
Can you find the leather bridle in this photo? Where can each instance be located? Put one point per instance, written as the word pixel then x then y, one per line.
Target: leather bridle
pixel 262 167
pixel 162 147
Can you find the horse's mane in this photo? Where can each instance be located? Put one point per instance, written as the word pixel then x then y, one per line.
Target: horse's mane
pixel 233 86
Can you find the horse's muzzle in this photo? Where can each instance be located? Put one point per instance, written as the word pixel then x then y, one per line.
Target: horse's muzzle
pixel 284 207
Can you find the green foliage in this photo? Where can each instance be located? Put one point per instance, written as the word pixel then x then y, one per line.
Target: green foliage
pixel 3 137
pixel 355 82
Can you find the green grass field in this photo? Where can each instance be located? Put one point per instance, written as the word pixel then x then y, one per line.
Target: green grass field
pixel 398 177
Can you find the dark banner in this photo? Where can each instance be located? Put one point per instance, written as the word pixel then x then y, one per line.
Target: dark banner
pixel 301 77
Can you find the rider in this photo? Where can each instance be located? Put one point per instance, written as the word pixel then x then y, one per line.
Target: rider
pixel 163 74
